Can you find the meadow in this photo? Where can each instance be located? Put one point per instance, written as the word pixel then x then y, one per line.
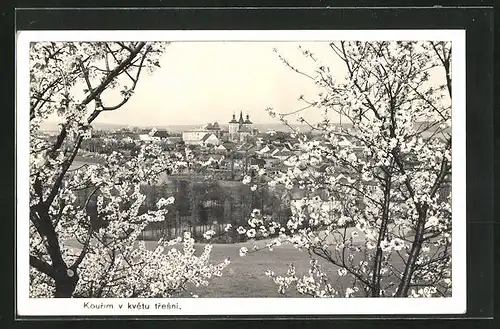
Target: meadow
pixel 245 276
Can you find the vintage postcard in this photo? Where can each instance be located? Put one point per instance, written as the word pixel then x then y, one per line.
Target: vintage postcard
pixel 240 172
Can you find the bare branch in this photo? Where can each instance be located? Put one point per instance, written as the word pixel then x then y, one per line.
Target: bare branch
pixel 42 266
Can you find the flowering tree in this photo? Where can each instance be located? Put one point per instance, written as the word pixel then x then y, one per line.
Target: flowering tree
pixel 108 262
pixel 375 199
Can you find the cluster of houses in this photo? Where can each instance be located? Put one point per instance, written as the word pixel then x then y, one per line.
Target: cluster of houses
pixel 237 150
pixel 234 151
pixel 131 136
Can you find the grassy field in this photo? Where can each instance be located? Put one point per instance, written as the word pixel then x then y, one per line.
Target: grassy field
pixel 245 276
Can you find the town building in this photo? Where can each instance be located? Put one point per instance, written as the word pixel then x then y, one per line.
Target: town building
pixel 241 129
pixel 193 136
pixel 87 134
pixel 221 148
pixel 210 139
pixel 196 136
pixel 214 129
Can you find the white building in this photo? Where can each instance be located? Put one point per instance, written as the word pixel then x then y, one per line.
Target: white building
pixel 221 148
pixel 195 136
pixel 148 138
pixel 210 139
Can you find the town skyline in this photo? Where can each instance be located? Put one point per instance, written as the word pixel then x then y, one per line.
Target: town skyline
pixel 227 78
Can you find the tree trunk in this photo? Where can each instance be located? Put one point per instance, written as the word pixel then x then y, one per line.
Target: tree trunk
pixel 404 285
pixel 377 262
pixel 65 286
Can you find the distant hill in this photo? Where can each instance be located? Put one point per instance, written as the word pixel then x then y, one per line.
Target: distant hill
pixel 262 127
pixel 53 126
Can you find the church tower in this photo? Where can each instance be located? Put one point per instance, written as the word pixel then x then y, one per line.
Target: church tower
pixel 241 121
pixel 233 128
pixel 248 122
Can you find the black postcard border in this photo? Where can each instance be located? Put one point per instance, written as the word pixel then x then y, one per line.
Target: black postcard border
pixel 478 23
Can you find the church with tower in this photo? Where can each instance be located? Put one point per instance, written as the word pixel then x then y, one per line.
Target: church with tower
pixel 241 128
pixel 212 133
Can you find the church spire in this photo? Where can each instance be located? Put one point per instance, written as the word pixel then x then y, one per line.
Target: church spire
pixel 241 117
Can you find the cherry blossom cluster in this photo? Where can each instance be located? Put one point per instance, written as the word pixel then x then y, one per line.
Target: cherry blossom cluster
pixel 315 283
pixel 90 248
pixel 116 264
pixel 136 271
pixel 375 197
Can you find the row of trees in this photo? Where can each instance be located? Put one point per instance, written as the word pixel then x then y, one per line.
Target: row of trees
pixel 200 206
pixel 106 146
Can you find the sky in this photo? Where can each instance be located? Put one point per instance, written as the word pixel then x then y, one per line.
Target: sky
pixel 201 82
